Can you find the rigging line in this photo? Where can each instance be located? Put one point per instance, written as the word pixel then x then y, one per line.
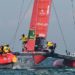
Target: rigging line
pixel 73 11
pixel 26 11
pixel 14 37
pixel 20 21
pixel 60 27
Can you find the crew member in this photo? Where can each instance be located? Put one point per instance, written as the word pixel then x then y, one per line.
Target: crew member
pixel 24 39
pixel 51 46
pixel 1 49
pixel 6 49
pixel 67 52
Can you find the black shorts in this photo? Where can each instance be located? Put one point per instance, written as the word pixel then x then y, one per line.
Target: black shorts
pixel 24 42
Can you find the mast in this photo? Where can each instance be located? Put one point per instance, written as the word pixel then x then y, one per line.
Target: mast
pixel 39 26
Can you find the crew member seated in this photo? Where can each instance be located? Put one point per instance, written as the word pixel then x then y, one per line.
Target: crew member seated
pixel 24 39
pixel 51 46
pixel 6 49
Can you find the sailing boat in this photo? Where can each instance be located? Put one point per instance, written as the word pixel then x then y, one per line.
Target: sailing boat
pixel 38 32
pixel 38 27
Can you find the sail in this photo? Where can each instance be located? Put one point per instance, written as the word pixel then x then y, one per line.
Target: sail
pixel 39 26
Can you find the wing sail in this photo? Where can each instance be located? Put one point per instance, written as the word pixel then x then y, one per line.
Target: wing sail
pixel 39 26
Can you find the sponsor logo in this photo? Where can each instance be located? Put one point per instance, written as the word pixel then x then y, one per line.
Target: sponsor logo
pixel 42 24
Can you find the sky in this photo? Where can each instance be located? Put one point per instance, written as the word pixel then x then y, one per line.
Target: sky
pixel 14 12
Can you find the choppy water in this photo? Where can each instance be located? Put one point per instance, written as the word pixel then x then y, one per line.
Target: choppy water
pixel 37 72
pixel 23 70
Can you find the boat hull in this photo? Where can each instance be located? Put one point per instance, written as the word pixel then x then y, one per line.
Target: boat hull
pixel 62 63
pixel 70 63
pixel 58 63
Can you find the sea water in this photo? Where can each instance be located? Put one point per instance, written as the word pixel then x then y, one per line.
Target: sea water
pixel 36 72
pixel 24 70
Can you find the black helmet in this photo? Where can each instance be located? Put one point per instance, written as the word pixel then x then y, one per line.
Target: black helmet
pixel 23 34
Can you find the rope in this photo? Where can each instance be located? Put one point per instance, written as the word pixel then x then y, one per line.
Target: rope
pixel 73 11
pixel 26 11
pixel 20 21
pixel 60 27
pixel 14 37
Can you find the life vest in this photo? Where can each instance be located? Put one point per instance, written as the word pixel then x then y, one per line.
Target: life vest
pixel 24 38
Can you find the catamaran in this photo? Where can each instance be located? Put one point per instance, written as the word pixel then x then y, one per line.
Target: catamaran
pixel 38 27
